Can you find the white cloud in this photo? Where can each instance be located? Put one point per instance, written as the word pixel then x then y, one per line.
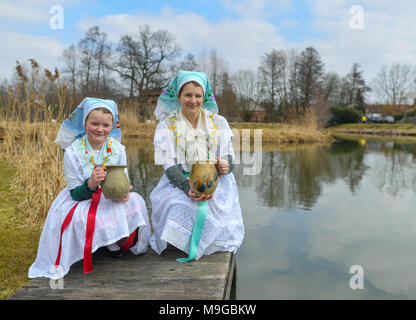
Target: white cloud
pixel 387 37
pixel 22 11
pixel 256 8
pixel 27 11
pixel 18 20
pixel 241 41
pixel 22 47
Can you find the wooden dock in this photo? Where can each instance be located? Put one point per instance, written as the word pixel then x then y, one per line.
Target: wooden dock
pixel 144 277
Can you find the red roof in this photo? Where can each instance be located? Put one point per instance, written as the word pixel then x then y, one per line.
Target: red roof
pixel 387 108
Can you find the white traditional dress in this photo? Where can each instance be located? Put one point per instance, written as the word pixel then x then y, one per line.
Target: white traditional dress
pixel 174 212
pixel 114 220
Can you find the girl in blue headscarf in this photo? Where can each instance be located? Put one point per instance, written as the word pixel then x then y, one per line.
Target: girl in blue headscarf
pixel 191 131
pixel 81 219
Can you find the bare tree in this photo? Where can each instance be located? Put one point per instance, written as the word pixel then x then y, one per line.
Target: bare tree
pixel 270 65
pixel 247 88
pixel 126 64
pixel 214 71
pixel 227 101
pixel 94 52
pixel 202 60
pixel 294 90
pixel 102 56
pixel 290 82
pixel 142 57
pixel 335 89
pixel 395 84
pixel 70 58
pixel 189 63
pixel 216 68
pixel 87 47
pixel 155 48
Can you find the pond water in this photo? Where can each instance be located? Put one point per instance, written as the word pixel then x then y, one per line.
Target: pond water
pixel 321 222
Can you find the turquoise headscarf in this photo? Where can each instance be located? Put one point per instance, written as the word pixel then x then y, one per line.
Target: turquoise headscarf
pixel 168 100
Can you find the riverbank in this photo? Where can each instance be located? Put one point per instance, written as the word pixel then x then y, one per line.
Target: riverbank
pixel 18 240
pixel 381 129
pixel 272 133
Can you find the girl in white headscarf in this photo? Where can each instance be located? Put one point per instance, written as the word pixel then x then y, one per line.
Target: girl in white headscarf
pixel 81 219
pixel 190 131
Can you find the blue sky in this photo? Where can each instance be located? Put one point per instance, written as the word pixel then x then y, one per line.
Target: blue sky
pixel 241 31
pixel 213 10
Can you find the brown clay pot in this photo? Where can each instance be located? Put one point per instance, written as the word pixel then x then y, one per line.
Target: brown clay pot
pixel 116 185
pixel 203 178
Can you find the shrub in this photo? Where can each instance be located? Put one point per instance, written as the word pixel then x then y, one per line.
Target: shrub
pixel 340 115
pixel 398 117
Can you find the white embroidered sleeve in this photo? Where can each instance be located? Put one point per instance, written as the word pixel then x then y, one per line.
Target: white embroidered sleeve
pixel 73 177
pixel 225 144
pixel 164 145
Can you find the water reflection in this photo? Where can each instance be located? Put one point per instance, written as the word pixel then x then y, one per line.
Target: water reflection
pixel 315 211
pixel 144 175
pixel 360 212
pixel 295 177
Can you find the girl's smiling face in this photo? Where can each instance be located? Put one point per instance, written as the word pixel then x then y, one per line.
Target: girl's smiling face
pixel 98 127
pixel 191 98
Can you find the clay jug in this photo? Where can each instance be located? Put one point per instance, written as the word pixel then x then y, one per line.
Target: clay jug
pixel 203 178
pixel 116 185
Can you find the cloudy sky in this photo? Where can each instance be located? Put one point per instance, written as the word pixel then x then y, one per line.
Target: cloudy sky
pixel 379 32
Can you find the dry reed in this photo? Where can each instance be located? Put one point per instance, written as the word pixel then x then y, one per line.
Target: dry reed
pixel 132 128
pixel 28 130
pixel 39 175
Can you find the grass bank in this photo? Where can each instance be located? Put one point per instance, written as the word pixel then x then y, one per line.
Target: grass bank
pixel 402 139
pixel 272 133
pixel 382 129
pixel 18 240
pixel 276 133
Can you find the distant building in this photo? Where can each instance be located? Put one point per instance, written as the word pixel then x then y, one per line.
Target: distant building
pixel 258 116
pixel 145 104
pixel 387 109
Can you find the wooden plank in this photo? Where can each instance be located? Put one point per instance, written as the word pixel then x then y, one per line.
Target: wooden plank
pixel 148 276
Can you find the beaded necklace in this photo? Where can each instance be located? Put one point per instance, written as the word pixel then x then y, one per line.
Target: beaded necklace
pixel 91 156
pixel 180 137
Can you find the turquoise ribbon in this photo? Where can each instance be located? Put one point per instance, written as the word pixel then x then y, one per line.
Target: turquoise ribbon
pixel 200 218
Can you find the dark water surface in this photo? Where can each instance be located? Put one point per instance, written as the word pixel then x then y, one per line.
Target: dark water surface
pixel 314 212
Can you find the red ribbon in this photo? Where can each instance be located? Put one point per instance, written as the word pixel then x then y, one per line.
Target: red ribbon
pixel 90 231
pixel 95 200
pixel 89 234
pixel 63 227
pixel 129 241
